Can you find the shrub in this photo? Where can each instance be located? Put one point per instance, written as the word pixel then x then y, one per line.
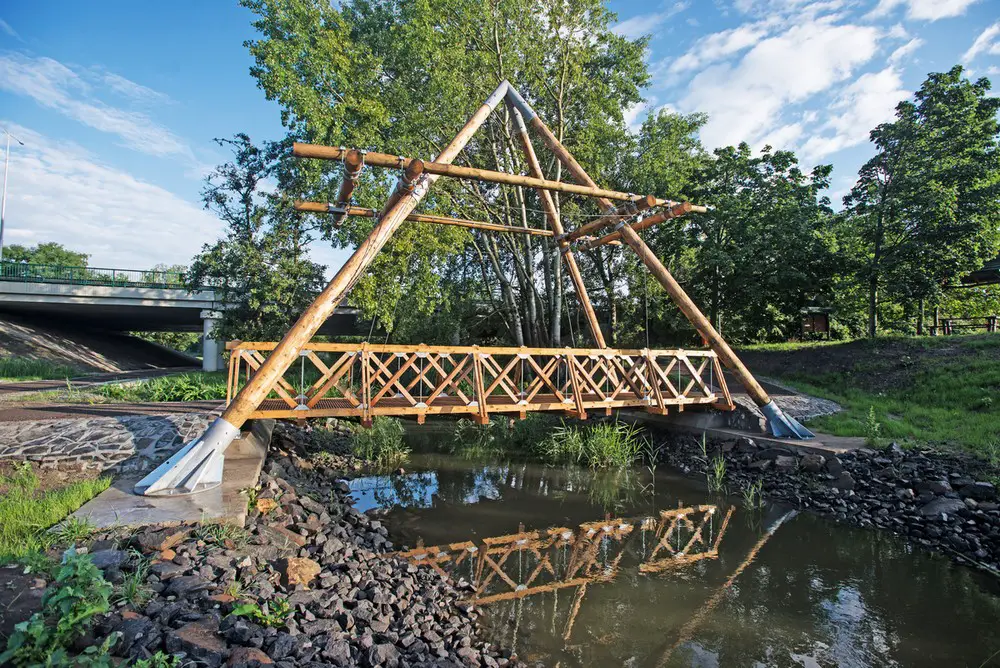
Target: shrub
pixel 69 606
pixel 182 387
pixel 603 445
pixel 273 614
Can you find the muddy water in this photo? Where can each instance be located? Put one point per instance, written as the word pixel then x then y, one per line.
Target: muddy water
pixel 621 582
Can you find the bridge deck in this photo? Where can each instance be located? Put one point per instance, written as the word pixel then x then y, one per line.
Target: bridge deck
pixel 364 381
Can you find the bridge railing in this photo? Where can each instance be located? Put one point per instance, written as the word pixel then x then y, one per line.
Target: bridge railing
pixel 25 272
pixel 364 380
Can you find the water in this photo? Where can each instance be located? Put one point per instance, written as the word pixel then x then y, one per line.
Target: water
pixel 812 593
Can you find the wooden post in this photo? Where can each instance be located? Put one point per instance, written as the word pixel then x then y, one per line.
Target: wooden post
pixel 556 224
pixel 316 314
pixel 672 212
pixel 695 316
pixel 353 163
pixel 405 185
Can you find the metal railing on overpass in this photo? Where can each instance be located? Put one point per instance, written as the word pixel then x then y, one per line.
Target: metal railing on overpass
pixel 24 272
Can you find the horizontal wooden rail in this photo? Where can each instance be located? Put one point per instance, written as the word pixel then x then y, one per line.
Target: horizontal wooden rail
pixel 364 380
pixel 441 169
pixel 320 207
pixel 616 236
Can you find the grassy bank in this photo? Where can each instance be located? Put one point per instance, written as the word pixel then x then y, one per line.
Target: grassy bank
pixel 23 368
pixel 942 391
pixel 195 386
pixel 27 512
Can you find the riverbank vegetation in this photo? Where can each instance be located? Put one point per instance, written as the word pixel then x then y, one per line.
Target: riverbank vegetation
pixel 28 511
pixel 941 391
pixel 24 368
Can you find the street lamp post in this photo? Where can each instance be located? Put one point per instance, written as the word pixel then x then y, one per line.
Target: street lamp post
pixel 3 198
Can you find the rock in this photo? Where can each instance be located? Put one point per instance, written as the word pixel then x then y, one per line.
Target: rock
pixel 137 633
pixel 248 657
pixel 166 570
pixel 980 491
pixel 297 571
pixel 264 506
pixel 104 559
pixel 164 539
pixel 942 505
pixel 834 466
pixel 283 646
pixel 198 641
pixel 785 463
pixel 935 486
pixel 771 453
pixel 812 462
pixel 183 586
pixel 760 464
pixel 339 653
pixel 845 481
pixel 382 654
pixel 744 445
pixel 281 536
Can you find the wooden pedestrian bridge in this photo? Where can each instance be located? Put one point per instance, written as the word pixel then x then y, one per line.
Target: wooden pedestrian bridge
pixel 363 380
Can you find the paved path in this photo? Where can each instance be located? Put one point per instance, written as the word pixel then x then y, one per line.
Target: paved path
pixel 27 412
pixel 90 380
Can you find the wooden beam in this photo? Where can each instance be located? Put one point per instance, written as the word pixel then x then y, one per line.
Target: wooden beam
pixel 441 168
pixel 556 224
pixel 615 237
pixel 320 207
pixel 405 185
pixel 618 214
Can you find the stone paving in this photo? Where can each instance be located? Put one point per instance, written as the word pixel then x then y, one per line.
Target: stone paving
pixel 125 444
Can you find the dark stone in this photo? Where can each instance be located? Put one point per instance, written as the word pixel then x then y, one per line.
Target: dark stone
pixel 785 463
pixel 934 486
pixel 845 481
pixel 137 633
pixel 108 558
pixel 942 505
pixel 198 641
pixel 834 466
pixel 382 654
pixel 338 653
pixel 980 491
pixel 164 539
pixel 183 586
pixel 284 646
pixel 771 453
pixel 248 657
pixel 812 462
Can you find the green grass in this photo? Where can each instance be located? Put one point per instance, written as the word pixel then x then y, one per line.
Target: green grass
pixel 182 387
pixel 941 391
pixel 382 443
pixel 23 368
pixel 26 513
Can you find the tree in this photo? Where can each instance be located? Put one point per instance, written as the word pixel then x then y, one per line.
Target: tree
pixel 260 269
pixel 925 208
pixel 402 76
pixel 49 252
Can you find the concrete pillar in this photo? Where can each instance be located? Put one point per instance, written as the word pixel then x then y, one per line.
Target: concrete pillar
pixel 211 351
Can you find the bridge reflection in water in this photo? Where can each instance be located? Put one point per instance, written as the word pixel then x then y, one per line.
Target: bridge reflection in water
pixel 527 563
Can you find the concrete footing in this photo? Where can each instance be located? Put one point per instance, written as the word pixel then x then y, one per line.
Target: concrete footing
pixel 243 461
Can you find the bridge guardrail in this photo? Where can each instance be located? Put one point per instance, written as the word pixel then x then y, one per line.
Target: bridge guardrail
pixel 25 272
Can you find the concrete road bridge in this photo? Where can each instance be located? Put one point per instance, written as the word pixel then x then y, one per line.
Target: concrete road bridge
pixel 126 300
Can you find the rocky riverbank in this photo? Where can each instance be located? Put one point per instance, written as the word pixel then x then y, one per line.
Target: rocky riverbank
pixel 307 583
pixel 940 501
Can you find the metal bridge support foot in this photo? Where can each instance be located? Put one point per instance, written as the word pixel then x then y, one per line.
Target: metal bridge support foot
pixel 784 426
pixel 196 467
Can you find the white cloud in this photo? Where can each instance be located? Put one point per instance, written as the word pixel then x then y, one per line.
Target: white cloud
pixel 133 90
pixel 905 50
pixel 54 85
pixel 745 100
pixel 859 107
pixel 988 42
pixel 59 192
pixel 644 24
pixel 718 46
pixel 5 27
pixel 924 10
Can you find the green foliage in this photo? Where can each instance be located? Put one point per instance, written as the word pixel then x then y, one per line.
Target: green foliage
pixel 185 342
pixel 73 530
pixel 198 386
pixel 716 474
pixel 603 445
pixel 260 269
pixel 133 589
pixel 159 660
pixel 26 513
pixel 382 443
pixel 924 211
pixel 873 428
pixel 23 368
pixel 273 614
pixel 69 606
pixel 44 253
pixel 753 495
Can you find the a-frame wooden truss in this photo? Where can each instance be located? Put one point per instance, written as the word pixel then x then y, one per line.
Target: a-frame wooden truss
pixel 198 466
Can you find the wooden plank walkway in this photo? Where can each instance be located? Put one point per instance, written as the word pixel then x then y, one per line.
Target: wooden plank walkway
pixel 364 380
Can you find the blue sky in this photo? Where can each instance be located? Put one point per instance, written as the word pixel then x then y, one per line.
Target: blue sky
pixel 118 102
